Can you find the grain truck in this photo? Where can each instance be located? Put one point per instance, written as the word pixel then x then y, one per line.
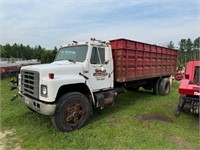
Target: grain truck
pixel 88 75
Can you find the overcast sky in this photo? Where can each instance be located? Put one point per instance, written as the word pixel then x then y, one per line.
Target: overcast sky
pixel 52 23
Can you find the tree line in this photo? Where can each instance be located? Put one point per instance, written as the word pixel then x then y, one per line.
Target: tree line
pixel 188 50
pixel 27 52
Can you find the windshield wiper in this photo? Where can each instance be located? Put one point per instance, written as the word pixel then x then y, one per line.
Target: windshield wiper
pixel 71 60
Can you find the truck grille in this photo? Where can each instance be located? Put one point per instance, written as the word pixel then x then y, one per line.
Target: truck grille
pixel 30 83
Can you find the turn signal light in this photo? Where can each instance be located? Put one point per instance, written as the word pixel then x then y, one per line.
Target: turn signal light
pixel 51 75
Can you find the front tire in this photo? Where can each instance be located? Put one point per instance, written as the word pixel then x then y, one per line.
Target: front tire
pixel 72 112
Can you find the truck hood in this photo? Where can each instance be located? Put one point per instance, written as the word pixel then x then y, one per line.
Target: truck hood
pixel 58 68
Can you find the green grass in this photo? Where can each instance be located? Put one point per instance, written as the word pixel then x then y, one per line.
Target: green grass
pixel 114 127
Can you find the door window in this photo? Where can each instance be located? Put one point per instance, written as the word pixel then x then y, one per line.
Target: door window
pixel 98 55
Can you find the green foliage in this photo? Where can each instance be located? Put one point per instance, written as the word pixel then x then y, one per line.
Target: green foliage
pixel 27 52
pixel 114 127
pixel 196 48
pixel 2 51
pixel 47 56
pixel 188 50
pixel 170 45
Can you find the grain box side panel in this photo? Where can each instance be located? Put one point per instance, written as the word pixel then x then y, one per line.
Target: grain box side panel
pixel 136 60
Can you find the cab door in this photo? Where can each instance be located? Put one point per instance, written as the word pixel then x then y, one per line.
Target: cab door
pixel 100 69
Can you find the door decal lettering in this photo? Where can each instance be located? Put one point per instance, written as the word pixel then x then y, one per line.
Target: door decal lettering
pixel 100 74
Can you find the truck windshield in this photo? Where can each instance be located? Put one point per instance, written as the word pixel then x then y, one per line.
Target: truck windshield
pixel 73 53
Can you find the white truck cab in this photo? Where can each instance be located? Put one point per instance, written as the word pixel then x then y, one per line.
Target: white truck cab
pixel 68 88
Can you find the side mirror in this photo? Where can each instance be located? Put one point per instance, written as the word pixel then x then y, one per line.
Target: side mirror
pixel 187 76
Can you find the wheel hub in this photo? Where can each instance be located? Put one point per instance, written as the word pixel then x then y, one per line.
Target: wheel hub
pixel 74 113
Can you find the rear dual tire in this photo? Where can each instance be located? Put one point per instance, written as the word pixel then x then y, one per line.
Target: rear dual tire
pixel 162 87
pixel 156 87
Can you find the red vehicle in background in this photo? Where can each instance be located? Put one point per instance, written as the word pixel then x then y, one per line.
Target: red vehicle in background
pixel 9 71
pixel 189 90
pixel 12 68
pixel 180 74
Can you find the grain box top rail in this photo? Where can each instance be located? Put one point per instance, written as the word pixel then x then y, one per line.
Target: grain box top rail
pixel 141 46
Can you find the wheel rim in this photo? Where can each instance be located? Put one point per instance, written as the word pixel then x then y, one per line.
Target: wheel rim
pixel 74 113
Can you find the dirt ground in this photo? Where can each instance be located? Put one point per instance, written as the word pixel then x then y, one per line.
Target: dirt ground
pixel 2 142
pixel 158 117
pixel 3 134
pixel 185 144
pixel 176 140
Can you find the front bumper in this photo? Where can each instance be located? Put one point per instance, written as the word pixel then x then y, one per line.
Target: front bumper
pixel 40 107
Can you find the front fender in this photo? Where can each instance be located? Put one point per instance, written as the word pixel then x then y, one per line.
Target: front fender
pixel 53 85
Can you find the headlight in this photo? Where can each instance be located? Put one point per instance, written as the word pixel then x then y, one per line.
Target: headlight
pixel 19 82
pixel 44 90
